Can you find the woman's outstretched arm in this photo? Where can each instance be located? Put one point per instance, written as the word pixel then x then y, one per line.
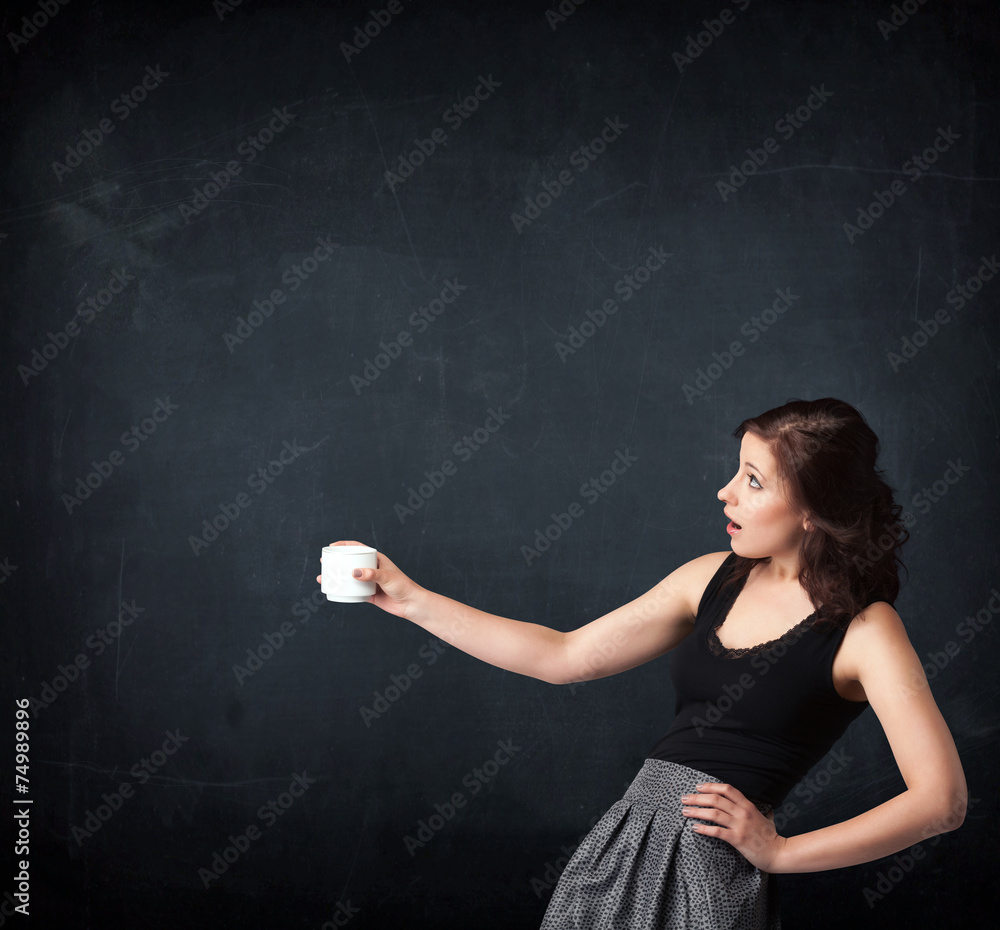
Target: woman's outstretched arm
pixel 635 633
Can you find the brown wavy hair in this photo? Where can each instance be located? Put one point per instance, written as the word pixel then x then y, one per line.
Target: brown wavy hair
pixel 827 455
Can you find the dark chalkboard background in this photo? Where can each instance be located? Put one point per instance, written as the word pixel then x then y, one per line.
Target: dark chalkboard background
pixel 299 139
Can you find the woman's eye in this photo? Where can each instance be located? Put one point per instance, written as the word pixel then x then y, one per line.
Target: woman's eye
pixel 757 484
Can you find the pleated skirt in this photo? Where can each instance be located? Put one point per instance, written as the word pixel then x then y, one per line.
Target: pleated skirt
pixel 642 867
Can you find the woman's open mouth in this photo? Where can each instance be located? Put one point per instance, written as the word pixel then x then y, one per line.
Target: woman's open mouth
pixel 733 528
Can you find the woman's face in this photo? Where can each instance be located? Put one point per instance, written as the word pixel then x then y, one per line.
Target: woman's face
pixel 754 499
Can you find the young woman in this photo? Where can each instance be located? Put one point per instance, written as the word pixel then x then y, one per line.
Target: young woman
pixel 778 645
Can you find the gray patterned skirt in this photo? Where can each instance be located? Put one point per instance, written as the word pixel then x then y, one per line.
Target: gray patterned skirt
pixel 642 867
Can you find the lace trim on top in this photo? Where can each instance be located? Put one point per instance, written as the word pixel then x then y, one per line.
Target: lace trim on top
pixel 716 647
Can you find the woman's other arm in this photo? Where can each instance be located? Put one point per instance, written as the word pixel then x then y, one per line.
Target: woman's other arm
pixel 878 652
pixel 936 794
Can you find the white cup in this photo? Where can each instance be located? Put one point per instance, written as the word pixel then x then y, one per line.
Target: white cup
pixel 337 563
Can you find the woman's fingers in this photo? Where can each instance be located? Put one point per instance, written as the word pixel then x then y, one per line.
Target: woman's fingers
pixel 720 790
pixel 378 575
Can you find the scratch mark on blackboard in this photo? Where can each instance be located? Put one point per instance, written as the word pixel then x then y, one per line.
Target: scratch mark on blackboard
pixel 118 608
pixel 63 433
pixel 354 859
pixel 392 190
pixel 926 174
pixel 615 194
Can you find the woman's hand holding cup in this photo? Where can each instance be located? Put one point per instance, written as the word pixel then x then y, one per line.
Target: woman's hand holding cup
pixel 394 591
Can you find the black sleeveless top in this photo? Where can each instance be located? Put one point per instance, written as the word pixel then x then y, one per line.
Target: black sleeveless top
pixel 757 718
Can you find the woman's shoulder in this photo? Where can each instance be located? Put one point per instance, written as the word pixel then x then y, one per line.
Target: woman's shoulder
pixel 878 616
pixel 874 631
pixel 705 567
pixel 713 560
pixel 701 572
